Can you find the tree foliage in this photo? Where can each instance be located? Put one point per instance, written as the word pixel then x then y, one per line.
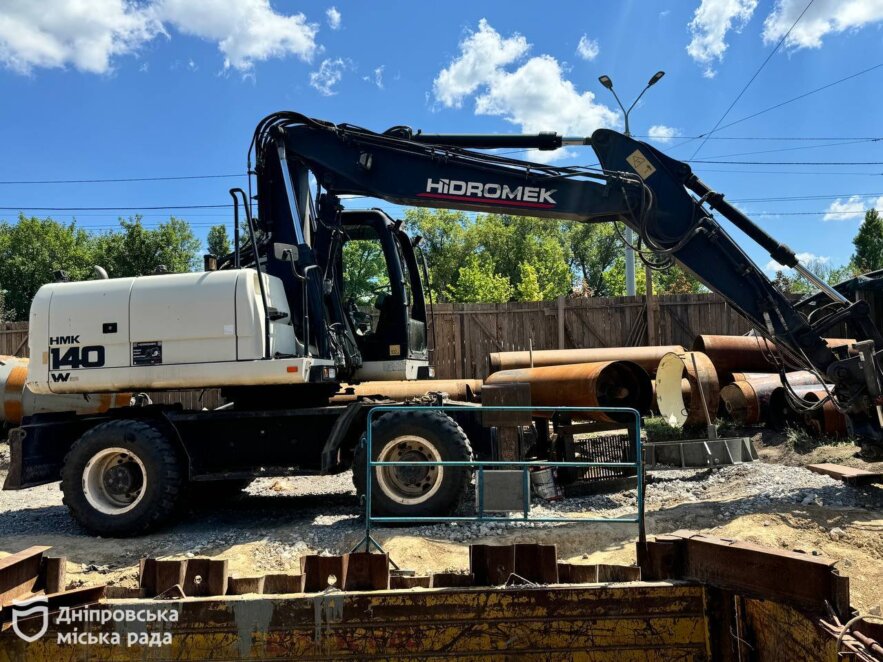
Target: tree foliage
pixel 869 243
pixel 538 258
pixel 33 249
pixel 217 241
pixel 364 271
pixel 478 283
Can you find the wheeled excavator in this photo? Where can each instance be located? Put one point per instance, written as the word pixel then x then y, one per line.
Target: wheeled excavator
pixel 276 326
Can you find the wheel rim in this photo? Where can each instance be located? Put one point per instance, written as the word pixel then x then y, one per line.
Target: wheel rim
pixel 409 486
pixel 114 481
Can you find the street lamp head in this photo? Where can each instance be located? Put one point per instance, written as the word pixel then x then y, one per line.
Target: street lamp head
pixel 606 82
pixel 656 77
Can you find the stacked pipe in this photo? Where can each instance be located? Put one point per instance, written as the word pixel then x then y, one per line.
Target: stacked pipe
pixel 595 384
pixel 734 376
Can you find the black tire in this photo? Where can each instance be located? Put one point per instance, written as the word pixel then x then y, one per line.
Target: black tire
pixel 211 491
pixel 160 486
pixel 426 429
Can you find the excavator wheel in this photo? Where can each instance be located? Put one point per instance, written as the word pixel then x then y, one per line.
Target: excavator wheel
pixel 414 436
pixel 122 478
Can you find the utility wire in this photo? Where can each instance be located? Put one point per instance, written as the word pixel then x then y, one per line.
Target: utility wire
pixel 794 149
pixel 805 163
pixel 125 179
pixel 768 138
pixel 152 207
pixel 830 196
pixel 707 136
pixel 756 74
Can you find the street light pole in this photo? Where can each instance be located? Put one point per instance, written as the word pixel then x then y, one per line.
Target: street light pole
pixel 629 252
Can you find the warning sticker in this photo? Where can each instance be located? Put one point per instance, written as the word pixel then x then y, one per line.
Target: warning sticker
pixel 641 164
pixel 147 353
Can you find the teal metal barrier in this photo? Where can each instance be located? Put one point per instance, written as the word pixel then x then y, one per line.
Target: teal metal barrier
pixel 525 465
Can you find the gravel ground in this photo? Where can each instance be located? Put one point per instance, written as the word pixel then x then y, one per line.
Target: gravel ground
pixel 276 521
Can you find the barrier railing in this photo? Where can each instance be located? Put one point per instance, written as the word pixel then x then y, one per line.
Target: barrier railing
pixel 525 465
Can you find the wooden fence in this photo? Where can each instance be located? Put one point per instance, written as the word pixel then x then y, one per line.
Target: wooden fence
pixel 467 333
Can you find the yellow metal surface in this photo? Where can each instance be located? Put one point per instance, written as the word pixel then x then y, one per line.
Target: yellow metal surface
pixel 636 621
pixel 594 623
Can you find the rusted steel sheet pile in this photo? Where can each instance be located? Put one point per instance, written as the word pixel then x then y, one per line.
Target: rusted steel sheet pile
pixel 735 377
pixel 691 597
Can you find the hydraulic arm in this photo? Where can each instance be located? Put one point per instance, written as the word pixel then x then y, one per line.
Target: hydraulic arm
pixel 658 197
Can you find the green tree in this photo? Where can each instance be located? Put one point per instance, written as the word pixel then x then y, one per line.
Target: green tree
pixel 528 288
pixel 446 243
pixel 31 251
pixel 868 243
pixel 217 241
pixel 364 271
pixel 594 249
pixel 477 283
pixel 137 251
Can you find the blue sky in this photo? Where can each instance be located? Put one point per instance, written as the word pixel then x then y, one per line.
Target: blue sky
pixel 175 87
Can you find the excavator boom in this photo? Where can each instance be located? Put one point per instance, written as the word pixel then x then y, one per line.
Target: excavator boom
pixel 660 198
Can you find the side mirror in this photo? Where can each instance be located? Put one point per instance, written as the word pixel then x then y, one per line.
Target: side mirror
pixel 280 250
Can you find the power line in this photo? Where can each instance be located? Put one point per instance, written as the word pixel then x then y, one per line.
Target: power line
pixel 806 163
pixel 795 172
pixel 124 179
pixel 152 207
pixel 793 149
pixel 756 73
pixel 707 136
pixel 768 138
pixel 790 198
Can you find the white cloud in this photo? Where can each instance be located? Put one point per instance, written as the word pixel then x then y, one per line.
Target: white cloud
pixel 333 16
pixel 378 76
pixel 854 207
pixel 711 22
pixel 58 33
pixel 878 205
pixel 822 18
pixel 89 35
pixel 328 75
pixel 482 54
pixel 247 31
pixel 587 49
pixel 809 260
pixel 535 96
pixel 663 134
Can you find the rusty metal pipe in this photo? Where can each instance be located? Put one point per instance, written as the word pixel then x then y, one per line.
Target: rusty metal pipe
pixel 746 401
pixel 601 384
pixel 780 414
pixel 676 407
pixel 461 390
pixel 826 421
pixel 745 353
pixel 646 357
pixel 18 401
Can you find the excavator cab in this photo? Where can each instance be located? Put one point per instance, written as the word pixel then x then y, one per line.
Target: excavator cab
pixel 377 275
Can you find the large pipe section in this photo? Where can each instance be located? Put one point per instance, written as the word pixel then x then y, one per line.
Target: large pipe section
pixel 598 384
pixel 746 401
pixel 781 414
pixel 461 390
pixel 826 420
pixel 646 357
pixel 17 401
pixel 681 409
pixel 746 353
